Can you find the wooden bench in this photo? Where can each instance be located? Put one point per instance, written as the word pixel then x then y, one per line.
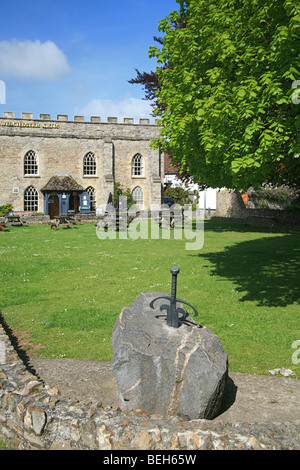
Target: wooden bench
pixel 15 220
pixel 115 221
pixel 65 220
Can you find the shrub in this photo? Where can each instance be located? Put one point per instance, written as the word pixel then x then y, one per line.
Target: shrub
pixel 292 207
pixel 5 210
pixel 179 195
pixel 273 197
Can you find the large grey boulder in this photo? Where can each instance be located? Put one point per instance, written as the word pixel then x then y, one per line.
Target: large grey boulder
pixel 164 370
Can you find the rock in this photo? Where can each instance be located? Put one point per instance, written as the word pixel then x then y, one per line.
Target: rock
pixel 31 386
pixel 52 391
pixel 274 371
pixel 35 419
pixel 164 370
pixel 283 371
pixel 3 375
pixel 39 420
pixel 287 372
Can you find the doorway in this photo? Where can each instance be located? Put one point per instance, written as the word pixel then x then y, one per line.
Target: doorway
pixel 74 202
pixel 53 205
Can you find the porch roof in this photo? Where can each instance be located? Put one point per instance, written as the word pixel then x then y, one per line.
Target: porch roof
pixel 62 183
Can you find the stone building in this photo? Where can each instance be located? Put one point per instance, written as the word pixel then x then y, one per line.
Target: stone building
pixel 56 166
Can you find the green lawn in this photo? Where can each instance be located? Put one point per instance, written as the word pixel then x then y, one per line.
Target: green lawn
pixel 65 289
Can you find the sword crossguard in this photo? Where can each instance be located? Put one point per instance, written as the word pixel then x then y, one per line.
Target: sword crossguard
pixel 172 311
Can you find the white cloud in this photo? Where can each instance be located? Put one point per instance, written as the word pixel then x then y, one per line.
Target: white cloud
pixel 2 92
pixel 126 107
pixel 32 60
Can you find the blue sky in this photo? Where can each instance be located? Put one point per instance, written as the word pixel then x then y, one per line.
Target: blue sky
pixel 76 57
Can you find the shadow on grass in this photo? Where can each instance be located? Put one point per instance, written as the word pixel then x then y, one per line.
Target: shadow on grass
pixel 266 269
pixel 213 225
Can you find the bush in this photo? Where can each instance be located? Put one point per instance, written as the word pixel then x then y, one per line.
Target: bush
pixel 5 210
pixel 273 197
pixel 292 207
pixel 179 195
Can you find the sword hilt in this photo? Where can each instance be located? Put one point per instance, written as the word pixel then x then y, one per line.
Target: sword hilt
pixel 174 271
pixel 172 312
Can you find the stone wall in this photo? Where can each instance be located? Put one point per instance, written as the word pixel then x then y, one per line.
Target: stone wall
pixel 35 219
pixel 35 416
pixel 61 145
pixel 45 219
pixel 91 218
pixel 231 206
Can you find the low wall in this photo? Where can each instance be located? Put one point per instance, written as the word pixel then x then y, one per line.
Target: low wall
pixel 230 205
pixel 36 219
pixel 34 416
pixel 45 219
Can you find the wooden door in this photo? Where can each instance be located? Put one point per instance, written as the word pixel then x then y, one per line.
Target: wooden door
pixel 53 205
pixel 74 202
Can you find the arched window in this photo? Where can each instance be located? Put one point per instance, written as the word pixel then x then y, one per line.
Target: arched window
pixel 89 165
pixel 137 165
pixel 31 199
pixel 31 166
pixel 91 191
pixel 138 197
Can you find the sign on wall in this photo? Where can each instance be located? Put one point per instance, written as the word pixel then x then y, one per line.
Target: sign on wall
pixel 85 202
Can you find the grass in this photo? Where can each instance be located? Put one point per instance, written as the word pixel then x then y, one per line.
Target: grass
pixel 5 445
pixel 61 291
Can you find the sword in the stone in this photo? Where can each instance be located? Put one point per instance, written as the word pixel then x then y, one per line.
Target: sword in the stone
pixel 173 311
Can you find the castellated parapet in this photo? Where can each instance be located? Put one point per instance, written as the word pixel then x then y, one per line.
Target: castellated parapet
pixel 61 146
pixel 64 118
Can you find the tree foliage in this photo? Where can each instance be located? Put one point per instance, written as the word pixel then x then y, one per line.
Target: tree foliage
pixel 178 194
pixel 119 191
pixel 225 96
pixel 150 83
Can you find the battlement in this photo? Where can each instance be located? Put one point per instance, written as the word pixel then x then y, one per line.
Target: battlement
pixel 64 118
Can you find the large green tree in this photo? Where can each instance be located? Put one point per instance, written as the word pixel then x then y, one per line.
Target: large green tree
pixel 228 97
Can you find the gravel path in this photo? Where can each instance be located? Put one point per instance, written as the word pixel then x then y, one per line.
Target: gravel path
pixel 248 398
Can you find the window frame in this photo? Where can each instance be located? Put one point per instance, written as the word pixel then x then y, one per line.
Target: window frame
pixel 138 166
pixel 89 165
pixel 92 193
pixel 32 164
pixel 31 199
pixel 136 201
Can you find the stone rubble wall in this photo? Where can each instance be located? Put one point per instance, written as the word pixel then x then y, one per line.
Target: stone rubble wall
pixel 35 416
pixel 230 206
pixel 45 219
pixel 35 219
